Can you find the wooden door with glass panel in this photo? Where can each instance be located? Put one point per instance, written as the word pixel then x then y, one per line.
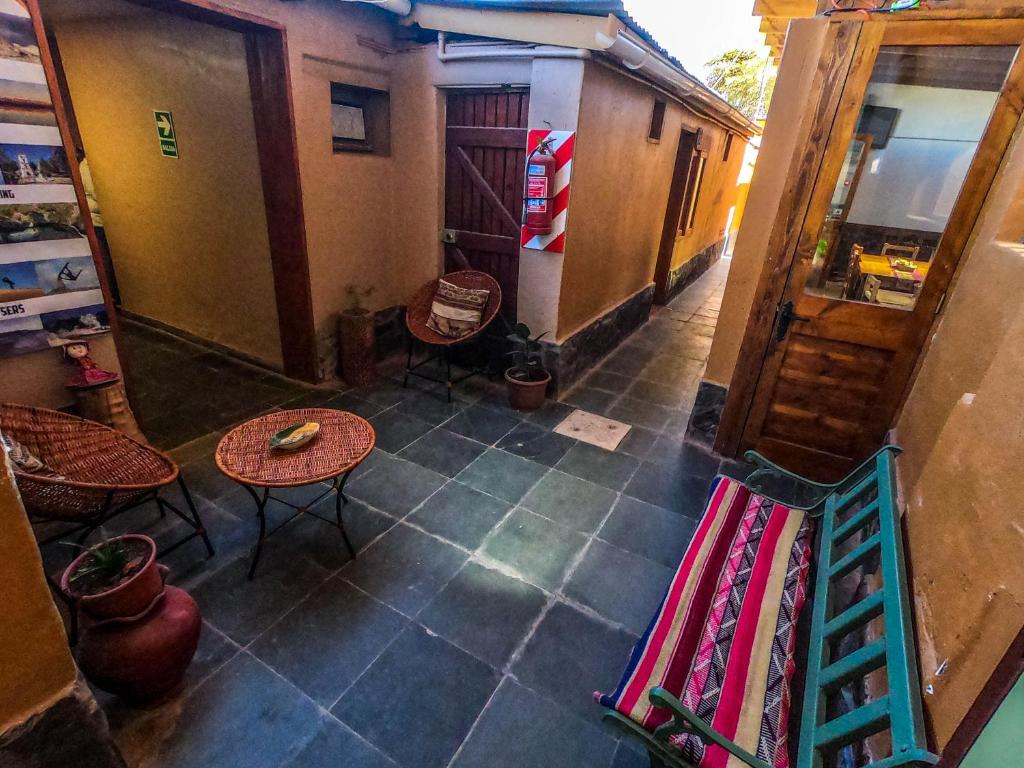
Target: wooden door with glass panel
pixel 921 128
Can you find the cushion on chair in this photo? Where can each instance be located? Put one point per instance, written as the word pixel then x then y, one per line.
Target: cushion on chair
pixel 456 312
pixel 24 459
pixel 723 639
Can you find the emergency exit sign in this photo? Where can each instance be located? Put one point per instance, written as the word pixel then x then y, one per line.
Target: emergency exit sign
pixel 165 133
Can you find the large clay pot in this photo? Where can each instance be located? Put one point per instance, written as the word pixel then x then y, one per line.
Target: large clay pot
pixel 138 638
pixel 357 339
pixel 526 395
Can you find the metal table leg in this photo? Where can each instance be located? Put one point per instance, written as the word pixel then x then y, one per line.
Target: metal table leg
pixel 261 512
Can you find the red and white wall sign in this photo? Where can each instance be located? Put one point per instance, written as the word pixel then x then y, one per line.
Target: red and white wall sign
pixel 563 144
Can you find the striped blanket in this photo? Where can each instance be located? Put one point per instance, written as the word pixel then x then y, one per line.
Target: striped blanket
pixel 723 638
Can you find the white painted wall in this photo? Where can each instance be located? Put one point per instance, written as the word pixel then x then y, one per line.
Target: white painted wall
pixel 913 183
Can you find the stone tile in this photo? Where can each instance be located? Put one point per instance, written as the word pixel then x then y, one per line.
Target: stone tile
pixel 612 470
pixel 571 655
pixel 737 470
pixel 461 514
pixel 405 568
pixel 593 429
pixel 537 444
pixel 444 452
pixel 329 639
pixel 658 394
pixel 550 415
pixel 241 608
pixel 664 486
pixel 395 486
pixel 503 475
pixel 395 430
pixel 430 407
pixel 640 413
pixel 484 612
pixel 623 587
pixel 593 400
pixel 630 756
pixel 521 729
pixel 335 745
pixel 638 442
pixel 244 716
pixel 385 393
pixel 609 381
pixel 649 531
pixel 352 404
pixel 539 550
pixel 481 423
pixel 568 500
pixel 418 701
pixel 684 457
pixel 625 363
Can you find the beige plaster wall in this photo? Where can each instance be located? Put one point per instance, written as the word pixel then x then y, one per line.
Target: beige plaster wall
pixel 35 665
pixel 620 189
pixel 962 429
pixel 189 235
pixel 778 144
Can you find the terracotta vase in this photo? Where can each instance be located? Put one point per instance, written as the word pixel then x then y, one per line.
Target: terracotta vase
pixel 138 638
pixel 357 341
pixel 526 395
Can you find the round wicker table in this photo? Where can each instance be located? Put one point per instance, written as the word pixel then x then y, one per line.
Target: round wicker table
pixel 244 454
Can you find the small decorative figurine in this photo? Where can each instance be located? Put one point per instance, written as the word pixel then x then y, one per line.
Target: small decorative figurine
pixel 89 374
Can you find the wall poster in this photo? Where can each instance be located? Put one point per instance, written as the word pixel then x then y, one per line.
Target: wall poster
pixel 49 290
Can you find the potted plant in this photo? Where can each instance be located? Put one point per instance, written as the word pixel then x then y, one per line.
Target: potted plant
pixel 357 339
pixel 138 636
pixel 527 379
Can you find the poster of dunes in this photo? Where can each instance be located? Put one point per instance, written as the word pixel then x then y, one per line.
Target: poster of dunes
pixel 49 289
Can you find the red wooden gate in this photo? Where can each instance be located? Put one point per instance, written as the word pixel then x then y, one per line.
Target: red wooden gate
pixel 485 157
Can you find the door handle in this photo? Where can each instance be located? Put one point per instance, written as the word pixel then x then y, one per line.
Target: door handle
pixel 785 316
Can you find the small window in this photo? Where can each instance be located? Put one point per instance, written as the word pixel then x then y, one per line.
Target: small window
pixel 728 146
pixel 693 185
pixel 360 119
pixel 657 121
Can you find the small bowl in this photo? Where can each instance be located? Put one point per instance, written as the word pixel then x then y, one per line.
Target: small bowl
pixel 295 436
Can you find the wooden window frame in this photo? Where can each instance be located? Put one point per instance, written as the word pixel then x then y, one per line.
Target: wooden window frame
pixel 376 107
pixel 657 127
pixel 694 183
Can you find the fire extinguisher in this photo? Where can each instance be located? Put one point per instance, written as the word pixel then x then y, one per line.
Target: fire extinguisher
pixel 540 190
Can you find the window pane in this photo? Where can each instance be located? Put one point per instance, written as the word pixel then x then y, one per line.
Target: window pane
pixel 925 111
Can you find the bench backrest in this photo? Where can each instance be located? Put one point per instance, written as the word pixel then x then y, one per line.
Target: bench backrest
pixel 860 524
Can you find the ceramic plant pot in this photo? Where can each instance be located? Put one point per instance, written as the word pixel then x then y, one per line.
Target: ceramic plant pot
pixel 137 638
pixel 357 342
pixel 526 395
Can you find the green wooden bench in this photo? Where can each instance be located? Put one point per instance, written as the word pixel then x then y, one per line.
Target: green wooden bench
pixel 858 524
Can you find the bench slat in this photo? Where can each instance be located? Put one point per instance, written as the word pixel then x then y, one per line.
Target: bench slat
pixel 855 523
pixel 865 485
pixel 857 614
pixel 855 557
pixel 860 723
pixel 853 665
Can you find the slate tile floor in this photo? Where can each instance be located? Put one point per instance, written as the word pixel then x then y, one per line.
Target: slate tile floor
pixel 503 574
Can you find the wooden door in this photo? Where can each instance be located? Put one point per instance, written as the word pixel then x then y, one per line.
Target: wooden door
pixel 844 344
pixel 485 159
pixel 679 192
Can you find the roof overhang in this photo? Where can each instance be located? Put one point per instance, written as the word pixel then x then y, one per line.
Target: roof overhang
pixel 603 35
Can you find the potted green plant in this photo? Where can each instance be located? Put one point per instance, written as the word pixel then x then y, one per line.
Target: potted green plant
pixel 357 339
pixel 527 379
pixel 138 634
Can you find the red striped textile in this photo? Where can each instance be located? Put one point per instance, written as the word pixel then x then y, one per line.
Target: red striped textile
pixel 724 637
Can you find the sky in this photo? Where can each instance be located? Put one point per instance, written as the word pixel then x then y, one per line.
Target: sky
pixel 695 32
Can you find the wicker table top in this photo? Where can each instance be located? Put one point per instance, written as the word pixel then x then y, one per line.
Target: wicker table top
pixel 244 454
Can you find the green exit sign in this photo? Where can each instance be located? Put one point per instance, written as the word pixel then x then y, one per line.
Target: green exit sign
pixel 165 133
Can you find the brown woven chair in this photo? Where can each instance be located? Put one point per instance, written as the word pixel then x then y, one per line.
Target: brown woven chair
pixel 416 321
pixel 101 473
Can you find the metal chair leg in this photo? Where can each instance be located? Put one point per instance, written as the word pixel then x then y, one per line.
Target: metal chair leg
pixel 408 365
pixel 200 528
pixel 448 372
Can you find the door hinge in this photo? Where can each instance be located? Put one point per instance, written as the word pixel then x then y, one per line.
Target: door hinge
pixel 784 316
pixel 941 304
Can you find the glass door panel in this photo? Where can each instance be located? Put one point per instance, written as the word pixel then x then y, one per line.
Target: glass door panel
pixel 924 113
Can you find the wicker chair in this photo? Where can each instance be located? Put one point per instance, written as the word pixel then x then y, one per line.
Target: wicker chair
pixel 100 473
pixel 416 321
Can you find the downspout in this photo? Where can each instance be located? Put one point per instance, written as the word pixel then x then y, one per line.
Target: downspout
pixel 483 52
